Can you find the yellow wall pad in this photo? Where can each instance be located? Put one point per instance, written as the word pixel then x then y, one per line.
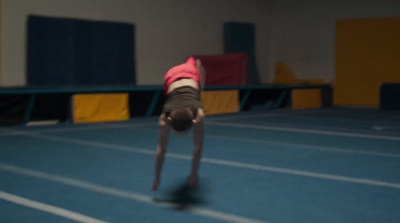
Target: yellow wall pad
pixel 367 55
pixel 284 76
pixel 306 98
pixel 100 107
pixel 220 102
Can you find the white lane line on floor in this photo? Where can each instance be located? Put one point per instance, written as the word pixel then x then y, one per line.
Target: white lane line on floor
pixel 74 128
pixel 307 147
pixel 296 145
pixel 48 208
pixel 275 113
pixel 208 213
pixel 226 162
pixel 304 173
pixel 308 131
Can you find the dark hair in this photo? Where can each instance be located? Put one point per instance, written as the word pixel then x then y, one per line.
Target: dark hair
pixel 181 119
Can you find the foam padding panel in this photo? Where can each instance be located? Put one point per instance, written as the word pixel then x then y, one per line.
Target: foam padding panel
pixel 367 55
pixel 306 98
pixel 226 69
pixel 100 107
pixel 220 102
pixel 241 38
pixel 284 76
pixel 63 51
pixel 390 96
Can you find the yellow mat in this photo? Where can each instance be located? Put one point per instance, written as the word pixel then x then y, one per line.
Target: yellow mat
pixel 306 98
pixel 100 107
pixel 367 55
pixel 220 102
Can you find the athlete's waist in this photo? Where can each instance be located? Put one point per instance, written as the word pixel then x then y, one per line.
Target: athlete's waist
pixel 181 83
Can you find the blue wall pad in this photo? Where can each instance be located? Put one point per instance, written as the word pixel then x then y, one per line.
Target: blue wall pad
pixel 75 52
pixel 390 96
pixel 240 38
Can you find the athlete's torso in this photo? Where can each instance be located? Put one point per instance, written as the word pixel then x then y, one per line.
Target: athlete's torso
pixel 183 97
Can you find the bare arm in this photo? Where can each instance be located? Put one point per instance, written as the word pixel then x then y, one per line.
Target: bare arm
pixel 161 149
pixel 202 72
pixel 198 139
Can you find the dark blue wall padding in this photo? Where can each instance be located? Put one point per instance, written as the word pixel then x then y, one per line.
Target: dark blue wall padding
pixel 79 53
pixel 240 38
pixel 390 96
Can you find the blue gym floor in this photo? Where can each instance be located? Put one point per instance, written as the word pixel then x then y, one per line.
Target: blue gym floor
pixel 279 166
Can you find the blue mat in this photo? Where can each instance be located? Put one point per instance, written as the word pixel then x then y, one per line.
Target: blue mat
pixel 281 166
pixel 72 52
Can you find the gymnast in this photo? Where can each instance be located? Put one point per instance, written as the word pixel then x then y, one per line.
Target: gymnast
pixel 182 111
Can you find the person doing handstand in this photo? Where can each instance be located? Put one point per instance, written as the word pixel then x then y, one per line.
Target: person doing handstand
pixel 182 111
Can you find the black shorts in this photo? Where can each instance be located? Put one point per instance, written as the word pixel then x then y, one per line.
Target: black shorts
pixel 183 97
